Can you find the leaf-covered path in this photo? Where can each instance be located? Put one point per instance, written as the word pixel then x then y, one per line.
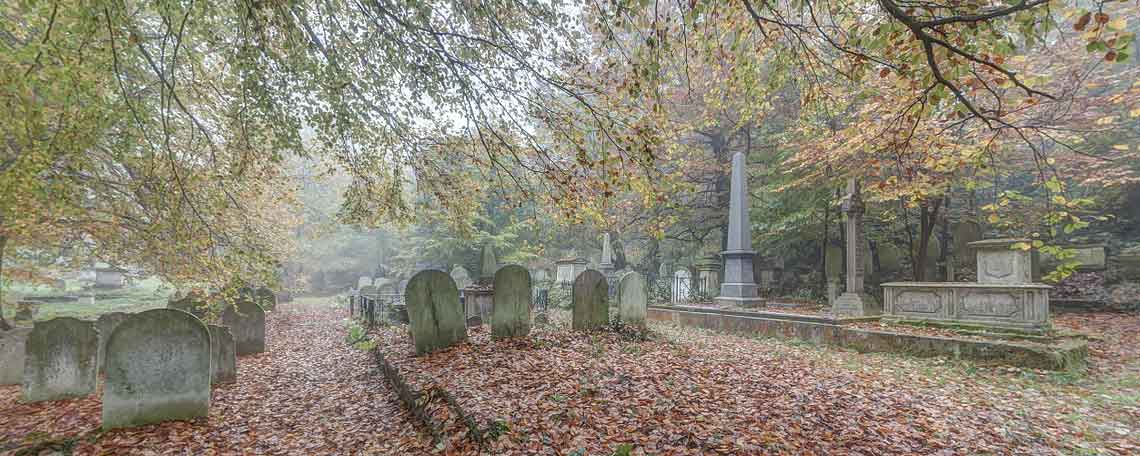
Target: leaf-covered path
pixel 309 394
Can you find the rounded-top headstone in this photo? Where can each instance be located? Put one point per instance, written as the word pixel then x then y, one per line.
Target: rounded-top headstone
pixel 246 321
pixel 158 369
pixel 434 312
pixel 60 360
pixel 633 299
pixel 591 308
pixel 106 325
pixel 510 316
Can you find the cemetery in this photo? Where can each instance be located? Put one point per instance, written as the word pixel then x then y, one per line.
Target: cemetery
pixel 866 227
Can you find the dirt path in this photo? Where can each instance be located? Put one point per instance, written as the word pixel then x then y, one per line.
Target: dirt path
pixel 309 394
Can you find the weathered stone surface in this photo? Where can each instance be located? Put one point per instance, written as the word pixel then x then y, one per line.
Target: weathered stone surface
pixel 590 297
pixel 890 257
pixel 158 369
pixel 963 233
pixel 488 265
pixel 511 304
pixel 855 301
pixel 265 298
pixel 223 355
pixel 106 325
pixel 434 311
pixel 633 299
pixel 12 355
pixel 1013 305
pixel 61 359
pixel 999 263
pixel 739 287
pixel 246 321
pixel 568 269
pixel 461 277
pixel 833 262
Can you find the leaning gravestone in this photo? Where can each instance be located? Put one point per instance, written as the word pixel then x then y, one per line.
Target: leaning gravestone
pixel 590 293
pixel 633 298
pixel 61 359
pixel 106 325
pixel 246 321
pixel 223 355
pixel 158 369
pixel 12 350
pixel 434 312
pixel 510 316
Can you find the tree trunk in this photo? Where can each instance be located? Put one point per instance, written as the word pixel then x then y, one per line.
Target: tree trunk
pixel 4 326
pixel 927 220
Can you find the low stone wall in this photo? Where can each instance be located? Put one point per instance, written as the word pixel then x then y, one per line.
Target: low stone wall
pixel 1068 354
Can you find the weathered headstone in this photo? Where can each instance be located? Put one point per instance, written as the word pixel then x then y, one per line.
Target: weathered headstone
pixel 590 297
pixel 106 325
pixel 158 369
pixel 855 301
pixel 223 355
pixel 434 311
pixel 633 299
pixel 61 359
pixel 12 355
pixel 461 277
pixel 962 234
pixel 510 316
pixel 246 321
pixel 739 287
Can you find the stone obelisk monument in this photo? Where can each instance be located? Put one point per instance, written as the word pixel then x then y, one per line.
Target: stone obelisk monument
pixel 854 302
pixel 739 287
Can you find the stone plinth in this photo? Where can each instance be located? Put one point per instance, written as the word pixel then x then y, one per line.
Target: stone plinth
pixel 478 301
pixel 998 263
pixel 1024 306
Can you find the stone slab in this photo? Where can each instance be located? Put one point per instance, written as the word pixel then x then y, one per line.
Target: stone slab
pixel 633 299
pixel 106 325
pixel 61 360
pixel 590 297
pixel 246 321
pixel 511 303
pixel 12 355
pixel 223 355
pixel 158 369
pixel 434 311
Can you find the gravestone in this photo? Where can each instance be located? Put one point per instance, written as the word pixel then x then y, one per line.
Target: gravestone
pixel 158 369
pixel 890 257
pixel 739 287
pixel 833 265
pixel 60 359
pixel 682 285
pixel 633 299
pixel 246 321
pixel 461 277
pixel 265 298
pixel 568 269
pixel 590 296
pixel 106 325
pixel 999 263
pixel 510 316
pixel 708 275
pixel 434 311
pixel 223 355
pixel 12 351
pixel 855 301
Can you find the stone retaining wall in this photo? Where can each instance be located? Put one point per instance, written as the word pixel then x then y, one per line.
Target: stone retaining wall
pixel 1066 354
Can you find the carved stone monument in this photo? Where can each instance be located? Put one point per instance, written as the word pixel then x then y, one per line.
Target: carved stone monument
pixel 855 302
pixel 739 287
pixel 998 262
pixel 607 262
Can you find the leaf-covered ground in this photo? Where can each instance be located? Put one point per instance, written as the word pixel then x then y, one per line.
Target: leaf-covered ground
pixel 310 393
pixel 681 392
pixel 697 392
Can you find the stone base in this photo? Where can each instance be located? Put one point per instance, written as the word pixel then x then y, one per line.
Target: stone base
pixel 856 305
pixel 733 301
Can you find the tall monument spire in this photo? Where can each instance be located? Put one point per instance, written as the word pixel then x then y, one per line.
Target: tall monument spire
pixel 739 287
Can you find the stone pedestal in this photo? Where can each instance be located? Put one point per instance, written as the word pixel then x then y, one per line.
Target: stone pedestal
pixel 999 263
pixel 478 301
pixel 708 275
pixel 739 287
pixel 854 302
